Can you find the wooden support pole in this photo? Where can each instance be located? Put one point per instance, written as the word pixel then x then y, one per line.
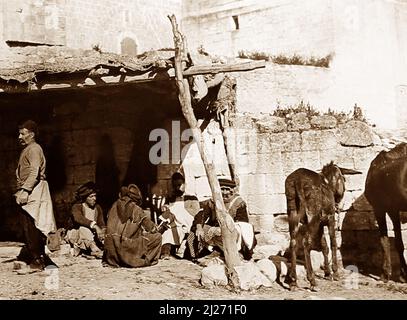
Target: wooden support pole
pixel 229 233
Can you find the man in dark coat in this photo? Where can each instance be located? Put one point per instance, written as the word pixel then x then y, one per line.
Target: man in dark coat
pixel 89 224
pixel 132 239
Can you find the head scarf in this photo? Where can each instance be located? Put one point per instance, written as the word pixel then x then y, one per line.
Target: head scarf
pixel 85 191
pixel 133 192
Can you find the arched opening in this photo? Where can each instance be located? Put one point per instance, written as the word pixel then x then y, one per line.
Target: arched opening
pixel 128 46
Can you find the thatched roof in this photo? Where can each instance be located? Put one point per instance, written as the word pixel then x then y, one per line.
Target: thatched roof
pixel 22 64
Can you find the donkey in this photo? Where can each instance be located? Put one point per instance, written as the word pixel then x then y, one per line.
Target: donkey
pixel 386 191
pixel 312 200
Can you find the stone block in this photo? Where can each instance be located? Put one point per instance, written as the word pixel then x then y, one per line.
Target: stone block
pixel 10 249
pixel 342 156
pixel 268 269
pixel 291 161
pixel 244 164
pixel 264 142
pixel 310 160
pixel 63 123
pixel 255 184
pixel 81 156
pixel 363 157
pixel 250 277
pixel 323 122
pixel 245 141
pixel 355 182
pixel 299 122
pixel 119 135
pixel 275 183
pixel 319 140
pixel 356 134
pixel 281 223
pixel 347 201
pixel 83 174
pixel 262 223
pixel 317 260
pixel 265 251
pixel 271 124
pixel 271 163
pixel 266 204
pixel 85 138
pixel 214 275
pixel 87 120
pixel 243 121
pixel 286 141
pixel 68 108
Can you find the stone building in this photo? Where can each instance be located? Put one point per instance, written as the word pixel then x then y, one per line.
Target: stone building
pixel 48 45
pixel 125 26
pixel 367 40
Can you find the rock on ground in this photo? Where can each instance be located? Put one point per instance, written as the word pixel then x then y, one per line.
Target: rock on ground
pixel 214 275
pixel 250 277
pixel 268 268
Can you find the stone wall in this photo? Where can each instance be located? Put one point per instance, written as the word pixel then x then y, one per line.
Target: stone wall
pixel 366 57
pixel 278 27
pixel 83 24
pixel 97 135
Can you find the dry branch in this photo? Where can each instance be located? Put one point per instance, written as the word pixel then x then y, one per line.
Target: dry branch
pixel 226 223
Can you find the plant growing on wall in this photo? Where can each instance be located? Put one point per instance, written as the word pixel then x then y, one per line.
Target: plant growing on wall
pixel 295 59
pixel 311 111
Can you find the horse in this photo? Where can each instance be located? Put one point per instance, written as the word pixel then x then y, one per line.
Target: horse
pixel 386 191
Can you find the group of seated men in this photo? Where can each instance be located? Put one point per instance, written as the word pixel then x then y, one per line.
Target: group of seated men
pixel 133 237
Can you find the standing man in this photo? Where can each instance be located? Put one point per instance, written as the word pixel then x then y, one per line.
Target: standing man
pixel 33 196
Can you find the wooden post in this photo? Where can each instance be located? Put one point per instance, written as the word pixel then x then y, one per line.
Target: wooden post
pixel 226 222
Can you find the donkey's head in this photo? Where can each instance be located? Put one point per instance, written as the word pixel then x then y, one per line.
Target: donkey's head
pixel 334 177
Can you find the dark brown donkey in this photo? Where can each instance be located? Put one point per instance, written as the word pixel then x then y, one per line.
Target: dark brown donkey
pixel 312 200
pixel 386 190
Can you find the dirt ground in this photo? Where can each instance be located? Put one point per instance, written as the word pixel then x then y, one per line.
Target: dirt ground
pixel 81 278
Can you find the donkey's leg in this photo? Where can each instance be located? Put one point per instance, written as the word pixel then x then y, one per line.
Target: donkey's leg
pixel 308 265
pixel 334 246
pixel 325 252
pixel 395 218
pixel 384 240
pixel 293 227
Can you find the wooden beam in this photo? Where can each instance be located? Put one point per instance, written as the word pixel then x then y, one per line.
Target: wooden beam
pixel 213 69
pixel 115 76
pixel 226 222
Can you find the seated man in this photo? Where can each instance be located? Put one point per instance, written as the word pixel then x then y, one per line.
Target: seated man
pixel 178 216
pixel 206 233
pixel 132 239
pixel 88 234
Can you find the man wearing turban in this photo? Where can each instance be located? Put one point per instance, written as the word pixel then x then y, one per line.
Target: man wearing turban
pixel 206 232
pixel 88 235
pixel 132 239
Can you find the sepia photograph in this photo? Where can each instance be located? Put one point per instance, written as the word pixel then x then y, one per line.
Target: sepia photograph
pixel 203 150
